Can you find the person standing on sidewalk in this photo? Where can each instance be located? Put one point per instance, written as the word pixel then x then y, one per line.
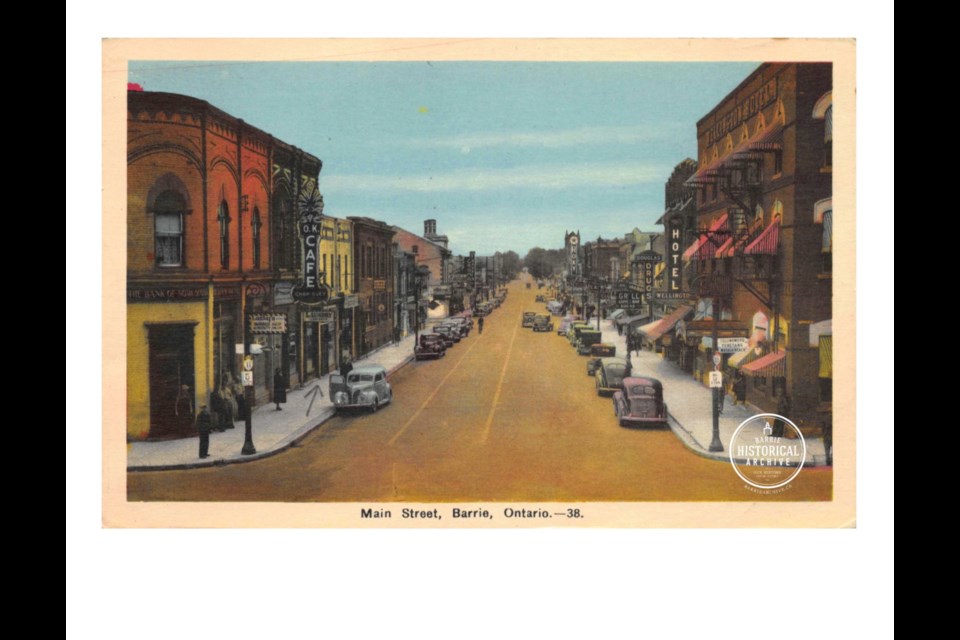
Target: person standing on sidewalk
pixel 783 408
pixel 238 393
pixel 480 324
pixel 739 388
pixel 204 425
pixel 279 388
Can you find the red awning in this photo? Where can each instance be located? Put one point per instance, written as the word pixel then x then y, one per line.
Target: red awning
pixel 703 247
pixel 708 247
pixel 766 243
pixel 721 252
pixel 772 365
pixel 654 332
pixel 706 174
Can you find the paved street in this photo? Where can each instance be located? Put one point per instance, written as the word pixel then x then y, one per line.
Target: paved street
pixel 509 415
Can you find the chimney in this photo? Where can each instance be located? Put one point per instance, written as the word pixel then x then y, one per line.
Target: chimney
pixel 429 228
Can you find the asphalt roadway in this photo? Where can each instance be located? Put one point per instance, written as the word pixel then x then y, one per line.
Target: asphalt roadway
pixel 509 415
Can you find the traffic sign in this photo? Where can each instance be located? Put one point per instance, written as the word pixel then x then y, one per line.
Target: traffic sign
pixel 248 364
pixel 247 378
pixel 716 380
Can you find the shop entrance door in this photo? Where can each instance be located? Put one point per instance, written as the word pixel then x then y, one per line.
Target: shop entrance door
pixel 172 384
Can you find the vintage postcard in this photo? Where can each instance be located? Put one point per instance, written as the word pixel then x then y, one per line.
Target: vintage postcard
pixel 484 283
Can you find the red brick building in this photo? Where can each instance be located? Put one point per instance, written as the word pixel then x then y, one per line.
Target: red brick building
pixel 206 229
pixel 763 238
pixel 374 268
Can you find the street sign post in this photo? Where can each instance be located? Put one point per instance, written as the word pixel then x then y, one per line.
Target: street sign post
pixel 716 380
pixel 247 378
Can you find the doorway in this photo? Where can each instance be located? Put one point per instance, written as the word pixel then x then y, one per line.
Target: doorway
pixel 172 383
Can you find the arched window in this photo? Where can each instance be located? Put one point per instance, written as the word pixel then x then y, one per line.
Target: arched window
pixel 256 223
pixel 223 217
pixel 168 210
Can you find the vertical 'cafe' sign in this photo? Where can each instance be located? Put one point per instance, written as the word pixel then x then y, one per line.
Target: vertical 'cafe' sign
pixel 674 253
pixel 311 289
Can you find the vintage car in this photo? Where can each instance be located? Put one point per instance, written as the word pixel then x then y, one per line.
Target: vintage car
pixel 639 401
pixel 588 338
pixel 528 317
pixel 610 374
pixel 364 387
pixel 565 325
pixel 542 323
pixel 430 347
pixel 598 351
pixel 573 333
pixel 466 323
pixel 458 328
pixel 449 336
pixel 539 298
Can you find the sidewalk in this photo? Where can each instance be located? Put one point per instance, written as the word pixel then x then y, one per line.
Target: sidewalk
pixel 689 403
pixel 273 431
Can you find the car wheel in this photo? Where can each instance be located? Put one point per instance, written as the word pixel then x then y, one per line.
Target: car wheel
pixel 375 405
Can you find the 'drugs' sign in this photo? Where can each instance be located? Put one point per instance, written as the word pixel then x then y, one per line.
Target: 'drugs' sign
pixel 311 289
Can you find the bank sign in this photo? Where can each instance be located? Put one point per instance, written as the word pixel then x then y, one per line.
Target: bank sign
pixel 311 289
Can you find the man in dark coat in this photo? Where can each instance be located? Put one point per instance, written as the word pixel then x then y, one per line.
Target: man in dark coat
pixel 279 389
pixel 203 428
pixel 345 367
pixel 739 388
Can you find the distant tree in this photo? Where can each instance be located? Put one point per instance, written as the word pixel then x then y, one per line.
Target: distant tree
pixel 542 263
pixel 511 264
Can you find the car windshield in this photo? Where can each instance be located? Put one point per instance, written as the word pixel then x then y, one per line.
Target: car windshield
pixel 642 390
pixel 360 377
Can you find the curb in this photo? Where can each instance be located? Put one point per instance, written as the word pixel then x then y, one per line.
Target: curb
pixel 293 439
pixel 691 443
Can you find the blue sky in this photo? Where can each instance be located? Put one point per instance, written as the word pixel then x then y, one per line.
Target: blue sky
pixel 505 155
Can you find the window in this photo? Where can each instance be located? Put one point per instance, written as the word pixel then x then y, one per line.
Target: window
pixel 223 217
pixel 778 162
pixel 256 223
pixel 168 223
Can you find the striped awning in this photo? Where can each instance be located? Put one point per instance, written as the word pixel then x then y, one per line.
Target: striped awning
pixel 766 243
pixel 826 357
pixel 655 330
pixel 741 358
pixel 767 140
pixel 708 248
pixel 772 365
pixel 706 245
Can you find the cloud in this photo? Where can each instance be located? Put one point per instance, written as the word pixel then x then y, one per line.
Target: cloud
pixel 564 176
pixel 556 139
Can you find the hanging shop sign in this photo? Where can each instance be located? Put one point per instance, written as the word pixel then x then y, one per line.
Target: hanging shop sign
pixel 674 262
pixel 323 317
pixel 270 323
pixel 351 301
pixel 282 293
pixel 311 289
pixel 648 261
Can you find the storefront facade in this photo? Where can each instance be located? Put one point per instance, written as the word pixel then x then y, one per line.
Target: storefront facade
pixel 755 257
pixel 201 256
pixel 373 265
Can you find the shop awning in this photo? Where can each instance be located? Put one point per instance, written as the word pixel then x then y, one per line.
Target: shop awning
pixel 705 246
pixel 705 174
pixel 655 330
pixel 766 243
pixel 708 248
pixel 772 365
pixel 628 320
pixel 766 141
pixel 826 357
pixel 721 252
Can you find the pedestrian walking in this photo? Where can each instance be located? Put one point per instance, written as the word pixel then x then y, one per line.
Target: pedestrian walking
pixel 240 398
pixel 279 389
pixel 204 426
pixel 739 388
pixel 480 325
pixel 783 408
pixel 228 406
